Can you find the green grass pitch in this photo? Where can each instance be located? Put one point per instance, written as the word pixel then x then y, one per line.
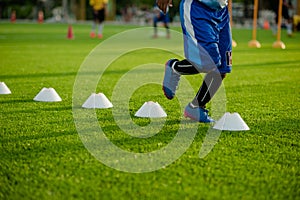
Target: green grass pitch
pixel 43 157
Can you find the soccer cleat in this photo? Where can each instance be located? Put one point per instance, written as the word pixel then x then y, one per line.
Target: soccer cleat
pixel 197 113
pixel 100 36
pixel 92 34
pixel 171 79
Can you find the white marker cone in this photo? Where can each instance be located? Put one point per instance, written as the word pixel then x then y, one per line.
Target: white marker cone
pixel 47 95
pixel 97 101
pixel 4 89
pixel 151 110
pixel 231 122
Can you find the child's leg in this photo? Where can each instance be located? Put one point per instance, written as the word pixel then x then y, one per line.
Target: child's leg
pixel 101 19
pixel 94 26
pixel 213 79
pixel 289 27
pixel 95 18
pixel 208 89
pixel 155 21
pixel 167 29
pixel 100 28
pixel 207 42
pixel 184 67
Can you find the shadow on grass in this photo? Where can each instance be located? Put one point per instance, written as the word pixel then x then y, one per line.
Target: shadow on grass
pixel 38 75
pixel 37 109
pixel 75 73
pixel 48 135
pixel 15 101
pixel 251 64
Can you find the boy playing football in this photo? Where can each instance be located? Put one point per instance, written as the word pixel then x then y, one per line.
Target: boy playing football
pixel 207 46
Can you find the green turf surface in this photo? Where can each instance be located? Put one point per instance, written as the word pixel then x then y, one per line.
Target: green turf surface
pixel 43 157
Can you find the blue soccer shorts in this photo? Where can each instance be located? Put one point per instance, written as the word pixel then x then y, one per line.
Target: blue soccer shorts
pixel 161 17
pixel 207 36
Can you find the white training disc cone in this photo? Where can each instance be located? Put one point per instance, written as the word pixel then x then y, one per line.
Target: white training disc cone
pixel 151 110
pixel 97 101
pixel 47 95
pixel 231 122
pixel 4 89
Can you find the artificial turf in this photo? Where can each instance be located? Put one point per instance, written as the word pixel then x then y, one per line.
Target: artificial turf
pixel 42 156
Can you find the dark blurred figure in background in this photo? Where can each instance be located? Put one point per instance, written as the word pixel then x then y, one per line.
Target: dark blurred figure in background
pixel 286 16
pixel 99 14
pixel 159 16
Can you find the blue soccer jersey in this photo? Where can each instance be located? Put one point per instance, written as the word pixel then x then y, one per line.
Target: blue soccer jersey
pixel 207 35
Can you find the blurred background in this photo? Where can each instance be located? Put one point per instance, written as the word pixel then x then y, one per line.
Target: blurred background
pixel 133 11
